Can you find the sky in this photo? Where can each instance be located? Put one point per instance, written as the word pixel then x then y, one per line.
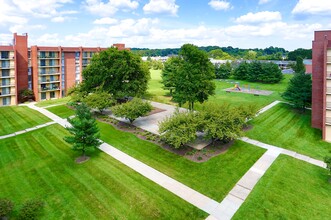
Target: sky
pixel 166 23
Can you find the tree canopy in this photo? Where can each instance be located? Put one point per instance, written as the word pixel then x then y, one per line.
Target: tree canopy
pixel 193 77
pixel 120 73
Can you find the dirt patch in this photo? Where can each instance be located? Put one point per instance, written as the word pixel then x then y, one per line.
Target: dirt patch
pixel 248 127
pixel 199 156
pixel 82 159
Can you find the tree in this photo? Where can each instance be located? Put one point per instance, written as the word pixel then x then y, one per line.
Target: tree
pixel 193 80
pixel 223 71
pixel 99 100
pixel 31 209
pixel 120 73
pixel 299 91
pixel 84 130
pixel 271 73
pixel 250 55
pixel 180 128
pixel 304 53
pixel 169 72
pixel 132 109
pixel 6 206
pixel 241 72
pixel 299 67
pixel 77 94
pixel 219 55
pixel 255 70
pixel 220 122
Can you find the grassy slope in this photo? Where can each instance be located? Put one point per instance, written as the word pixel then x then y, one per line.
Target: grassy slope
pixel 62 111
pixel 290 189
pixel 284 127
pixel 16 118
pixel 40 164
pixel 53 102
pixel 214 178
pixel 155 88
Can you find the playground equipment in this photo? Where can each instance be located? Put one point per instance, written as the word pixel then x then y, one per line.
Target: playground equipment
pixel 236 86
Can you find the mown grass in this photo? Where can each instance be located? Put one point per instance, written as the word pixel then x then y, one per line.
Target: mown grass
pixel 290 189
pixel 213 178
pixel 285 127
pixel 157 93
pixel 62 111
pixel 59 101
pixel 40 164
pixel 17 118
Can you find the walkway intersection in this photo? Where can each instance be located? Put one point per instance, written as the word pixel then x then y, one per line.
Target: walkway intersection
pixel 230 204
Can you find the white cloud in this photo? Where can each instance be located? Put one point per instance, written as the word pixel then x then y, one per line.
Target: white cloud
pixel 312 7
pixel 161 7
pixel 263 16
pixel 261 2
pixel 58 19
pixel 24 28
pixel 9 15
pixel 98 7
pixel 219 5
pixel 106 20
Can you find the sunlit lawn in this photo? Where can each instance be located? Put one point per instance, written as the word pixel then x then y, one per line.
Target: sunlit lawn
pixel 17 118
pixel 290 189
pixel 285 127
pixel 213 178
pixel 62 111
pixel 157 93
pixel 40 164
pixel 60 101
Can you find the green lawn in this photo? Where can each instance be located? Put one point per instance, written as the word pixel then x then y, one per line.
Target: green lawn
pixel 40 164
pixel 290 189
pixel 17 118
pixel 284 127
pixel 160 95
pixel 59 101
pixel 214 178
pixel 62 111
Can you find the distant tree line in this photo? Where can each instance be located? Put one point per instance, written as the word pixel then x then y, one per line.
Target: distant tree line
pixel 269 53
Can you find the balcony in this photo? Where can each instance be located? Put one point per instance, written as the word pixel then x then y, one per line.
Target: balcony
pixel 328 120
pixel 328 105
pixel 10 66
pixel 6 58
pixel 7 85
pixel 49 73
pixel 6 94
pixel 328 59
pixel 48 57
pixel 46 89
pixel 328 90
pixel 7 76
pixel 49 81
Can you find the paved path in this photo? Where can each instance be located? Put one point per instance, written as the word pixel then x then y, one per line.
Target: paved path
pixel 27 130
pixel 236 197
pixel 267 107
pixel 195 198
pixel 285 151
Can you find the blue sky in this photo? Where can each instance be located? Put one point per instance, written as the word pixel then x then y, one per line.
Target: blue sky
pixel 166 23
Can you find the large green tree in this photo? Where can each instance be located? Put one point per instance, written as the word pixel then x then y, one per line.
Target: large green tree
pixel 99 100
pixel 299 91
pixel 169 72
pixel 193 80
pixel 84 130
pixel 120 73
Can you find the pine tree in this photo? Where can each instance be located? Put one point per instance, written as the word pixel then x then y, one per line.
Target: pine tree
pixel 84 130
pixel 299 91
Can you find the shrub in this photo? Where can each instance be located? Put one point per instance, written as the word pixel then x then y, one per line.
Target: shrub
pixel 31 209
pixel 327 160
pixel 132 109
pixel 6 206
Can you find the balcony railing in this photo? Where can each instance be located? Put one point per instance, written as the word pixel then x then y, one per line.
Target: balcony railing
pixel 328 90
pixel 49 81
pixel 328 120
pixel 328 105
pixel 7 85
pixel 6 94
pixel 6 58
pixel 45 89
pixel 7 76
pixel 6 66
pixel 328 59
pixel 50 73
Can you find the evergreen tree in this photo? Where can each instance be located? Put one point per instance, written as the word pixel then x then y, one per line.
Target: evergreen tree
pixel 299 67
pixel 84 130
pixel 241 72
pixel 299 91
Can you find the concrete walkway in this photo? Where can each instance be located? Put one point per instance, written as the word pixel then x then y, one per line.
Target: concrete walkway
pixel 267 107
pixel 27 130
pixel 236 197
pixel 285 151
pixel 195 198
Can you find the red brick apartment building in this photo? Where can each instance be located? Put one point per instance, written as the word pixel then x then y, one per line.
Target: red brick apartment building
pixel 48 71
pixel 321 73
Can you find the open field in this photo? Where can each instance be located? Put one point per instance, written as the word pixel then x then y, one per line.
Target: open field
pixel 17 118
pixel 213 178
pixel 40 164
pixel 290 189
pixel 60 101
pixel 284 127
pixel 62 111
pixel 160 95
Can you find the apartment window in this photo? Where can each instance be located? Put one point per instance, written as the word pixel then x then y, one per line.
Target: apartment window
pixel 6 101
pixel 5 82
pixel 42 62
pixel 52 95
pixel 4 54
pixel 30 85
pixel 77 54
pixel 52 78
pixel 5 64
pixel 43 96
pixel 43 54
pixel 5 91
pixel 5 72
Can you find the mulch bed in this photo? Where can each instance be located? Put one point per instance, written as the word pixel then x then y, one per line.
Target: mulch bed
pixel 199 156
pixel 82 159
